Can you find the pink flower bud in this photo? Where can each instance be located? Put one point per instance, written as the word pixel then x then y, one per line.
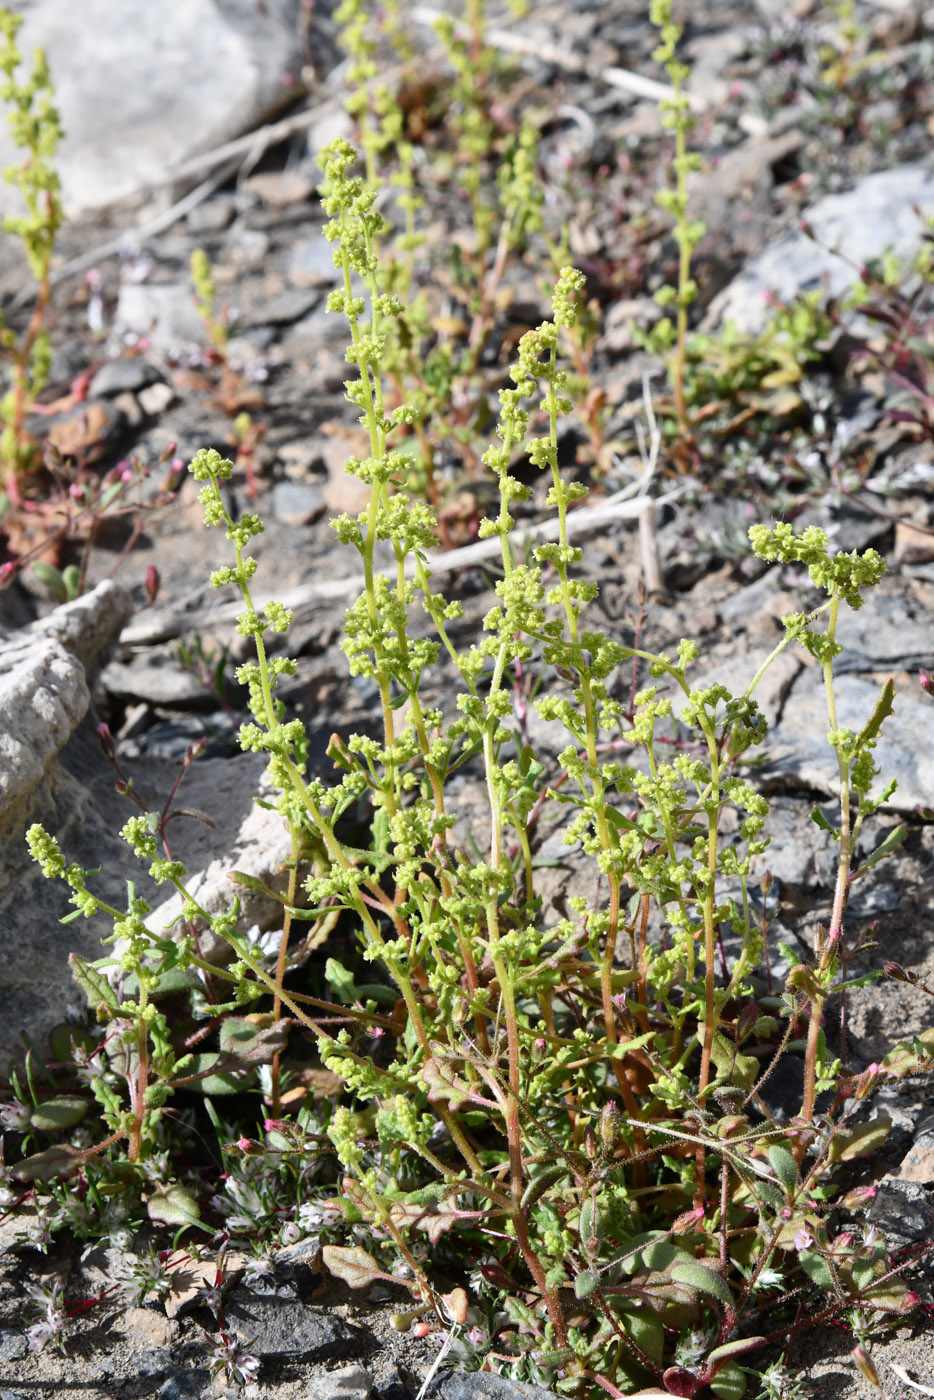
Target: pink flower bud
pixel 106 741
pixel 866 1365
pixel 859 1196
pixel 151 583
pixel 866 1082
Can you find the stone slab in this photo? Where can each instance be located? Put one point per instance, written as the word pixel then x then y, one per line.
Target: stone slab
pixel 142 87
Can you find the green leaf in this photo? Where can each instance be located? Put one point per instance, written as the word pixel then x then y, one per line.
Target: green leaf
pixel 52 579
pixel 254 1043
pixel 173 1205
pixel 205 1080
pixel 351 1264
pixel 817 1270
pixel 783 1165
pixel 645 1328
pixel 736 1347
pixel 545 1175
pixel 662 1253
pixel 623 1047
pixel 63 1111
pixel 375 991
pixel 71 577
pixel 730 1383
pixel 341 981
pixel 818 818
pixel 247 882
pixel 551 1360
pixel 703 1280
pixel 736 1068
pixel 881 711
pixel 55 1163
pixel 911 1056
pixel 585 1284
pixel 860 1141
pixel 95 987
pixel 891 843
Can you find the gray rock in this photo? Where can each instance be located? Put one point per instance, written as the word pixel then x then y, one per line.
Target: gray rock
pixel 883 633
pixel 180 77
pixel 904 1211
pixel 185 1385
pixel 123 376
pixel 152 625
pixel 311 262
pixel 847 526
pixel 290 305
pixel 751 600
pixel 280 188
pixel 43 696
pixel 17 609
pixel 873 900
pixel 733 195
pixel 164 313
pixel 43 692
pixel 211 217
pixel 244 836
pixel 246 248
pixel 274 1326
pixel 347 1383
pixel 885 210
pixel 153 1364
pixel 737 673
pixel 800 857
pixel 799 754
pixel 483 1385
pixel 161 683
pixel 128 405
pixel 50 773
pixel 297 502
pixel 84 431
pixel 156 399
pixel 13 1345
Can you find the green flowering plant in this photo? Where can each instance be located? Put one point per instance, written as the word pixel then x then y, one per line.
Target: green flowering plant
pixel 36 129
pixel 572 1112
pixel 670 337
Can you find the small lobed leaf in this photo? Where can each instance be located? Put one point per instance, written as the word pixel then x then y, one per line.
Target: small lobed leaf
pixel 351 1264
pixel 173 1205
pixel 456 1304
